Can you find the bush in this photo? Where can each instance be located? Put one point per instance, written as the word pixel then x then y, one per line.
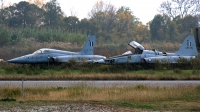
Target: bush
pixel 158 65
pixel 8 99
pixel 177 71
pixel 7 92
pixel 140 87
pixel 198 89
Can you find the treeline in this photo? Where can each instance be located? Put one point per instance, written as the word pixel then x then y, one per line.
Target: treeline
pixel 46 22
pixel 163 28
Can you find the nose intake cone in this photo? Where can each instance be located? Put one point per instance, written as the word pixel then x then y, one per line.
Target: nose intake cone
pixel 15 60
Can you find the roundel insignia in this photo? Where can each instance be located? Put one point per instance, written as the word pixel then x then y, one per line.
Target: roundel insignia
pixel 129 57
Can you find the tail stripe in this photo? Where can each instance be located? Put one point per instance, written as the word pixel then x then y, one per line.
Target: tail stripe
pixel 188 47
pixel 91 43
pixel 88 46
pixel 189 43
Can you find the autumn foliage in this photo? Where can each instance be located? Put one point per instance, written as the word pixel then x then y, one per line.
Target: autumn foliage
pixel 44 23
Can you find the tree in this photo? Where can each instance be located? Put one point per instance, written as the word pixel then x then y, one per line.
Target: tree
pixel 4 36
pixel 9 17
pixel 98 7
pixel 71 23
pixel 84 26
pixel 88 26
pixel 24 14
pixel 172 30
pixel 163 28
pixel 2 7
pixel 52 14
pixel 157 27
pixel 39 3
pixel 125 20
pixel 185 24
pixel 104 15
pixel 119 23
pixel 21 14
pixel 36 15
pixel 182 8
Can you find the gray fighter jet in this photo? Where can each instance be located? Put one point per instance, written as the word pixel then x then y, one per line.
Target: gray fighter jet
pixel 46 55
pixel 187 51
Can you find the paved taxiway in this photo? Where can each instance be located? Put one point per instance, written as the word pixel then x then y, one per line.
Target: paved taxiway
pixel 97 83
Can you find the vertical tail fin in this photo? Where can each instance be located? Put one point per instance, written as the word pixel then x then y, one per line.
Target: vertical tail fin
pixel 188 47
pixel 196 32
pixel 88 48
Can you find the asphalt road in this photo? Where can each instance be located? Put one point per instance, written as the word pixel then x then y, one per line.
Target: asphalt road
pixel 97 83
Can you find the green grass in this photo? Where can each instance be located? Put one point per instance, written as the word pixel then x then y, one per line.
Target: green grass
pixel 136 105
pixel 138 97
pixel 177 106
pixel 85 74
pixel 84 71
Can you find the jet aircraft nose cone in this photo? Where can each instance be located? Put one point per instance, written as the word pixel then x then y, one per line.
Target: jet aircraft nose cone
pixel 15 60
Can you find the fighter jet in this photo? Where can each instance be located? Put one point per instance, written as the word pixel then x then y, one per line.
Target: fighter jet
pixel 187 51
pixel 46 55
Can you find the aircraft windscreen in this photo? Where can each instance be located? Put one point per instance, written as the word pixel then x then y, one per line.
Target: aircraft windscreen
pixel 127 53
pixel 37 52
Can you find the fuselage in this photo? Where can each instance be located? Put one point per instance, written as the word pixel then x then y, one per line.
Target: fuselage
pixel 188 51
pixel 145 56
pixel 53 56
pixel 46 55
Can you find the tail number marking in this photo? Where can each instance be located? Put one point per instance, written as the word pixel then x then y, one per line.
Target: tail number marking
pixel 189 46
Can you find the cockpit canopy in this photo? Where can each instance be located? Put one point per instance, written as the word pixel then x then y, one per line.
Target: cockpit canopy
pixel 37 52
pixel 136 45
pixel 40 51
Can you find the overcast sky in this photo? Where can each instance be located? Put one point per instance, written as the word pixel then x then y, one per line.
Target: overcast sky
pixel 145 10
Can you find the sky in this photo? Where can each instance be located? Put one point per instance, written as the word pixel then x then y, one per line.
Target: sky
pixel 145 10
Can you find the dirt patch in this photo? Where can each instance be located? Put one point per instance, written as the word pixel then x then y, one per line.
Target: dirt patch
pixel 70 107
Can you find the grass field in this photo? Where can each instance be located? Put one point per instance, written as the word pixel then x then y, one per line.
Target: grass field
pixel 68 74
pixel 140 97
pixel 79 97
pixel 84 71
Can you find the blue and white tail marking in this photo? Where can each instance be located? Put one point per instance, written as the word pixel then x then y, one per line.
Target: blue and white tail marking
pixel 91 43
pixel 188 47
pixel 88 48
